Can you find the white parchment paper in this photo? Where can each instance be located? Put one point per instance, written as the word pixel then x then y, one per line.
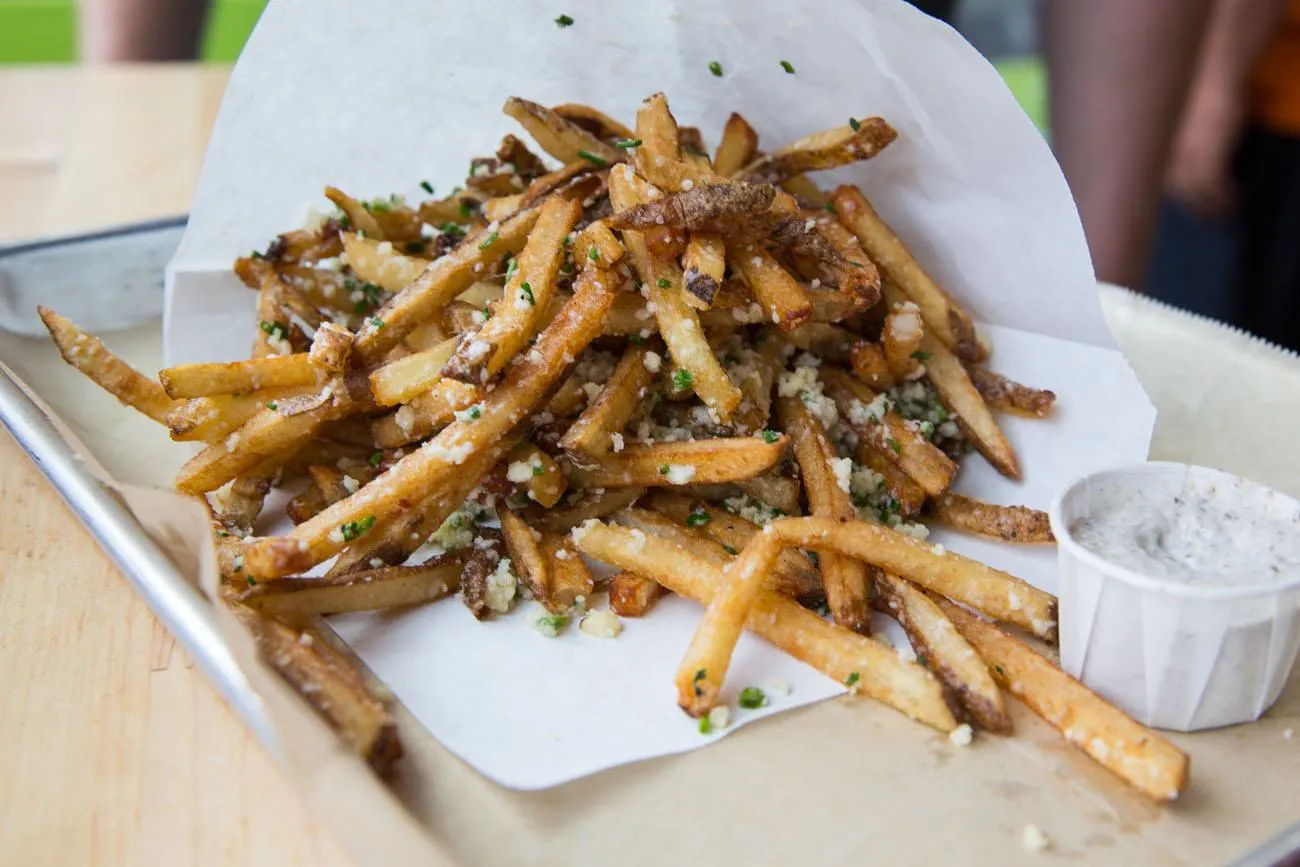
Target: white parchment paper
pixel 376 97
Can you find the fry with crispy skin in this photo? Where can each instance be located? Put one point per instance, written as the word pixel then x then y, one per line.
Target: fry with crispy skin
pixel 1137 755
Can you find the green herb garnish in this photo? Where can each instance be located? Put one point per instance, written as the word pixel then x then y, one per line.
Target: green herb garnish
pixel 427 187
pixel 682 380
pixel 854 125
pixel 770 436
pixel 697 519
pixel 563 21
pixel 664 282
pixel 598 162
pixel 353 530
pixel 751 697
pixel 276 330
pixel 852 680
pixel 626 143
pixel 488 241
pixel 593 254
pixel 376 459
pixel 527 292
pixel 716 68
pixel 788 67
pixel 920 355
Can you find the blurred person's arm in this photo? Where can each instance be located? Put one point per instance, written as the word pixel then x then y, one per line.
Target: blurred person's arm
pixel 137 30
pixel 1200 166
pixel 1118 75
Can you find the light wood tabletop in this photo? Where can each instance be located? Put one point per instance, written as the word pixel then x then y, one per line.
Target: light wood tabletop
pixel 113 747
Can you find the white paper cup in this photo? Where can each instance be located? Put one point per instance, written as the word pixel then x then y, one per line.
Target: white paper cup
pixel 1173 655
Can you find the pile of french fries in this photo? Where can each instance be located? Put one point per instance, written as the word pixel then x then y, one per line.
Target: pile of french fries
pixel 704 372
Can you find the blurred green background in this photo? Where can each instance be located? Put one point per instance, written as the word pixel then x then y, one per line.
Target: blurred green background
pixel 44 31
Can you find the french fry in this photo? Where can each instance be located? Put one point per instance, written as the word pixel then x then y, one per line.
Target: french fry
pixel 807 192
pixel 900 341
pixel 869 365
pixel 736 147
pixel 331 351
pixel 86 353
pixel 592 120
pixel 542 479
pixel 793 574
pixel 999 595
pixel 569 398
pixel 328 681
pixel 267 435
pixel 705 264
pixel 237 377
pixel 845 579
pixel 598 244
pixel 710 461
pixel 795 584
pixel 475 580
pixel 943 316
pixel 582 506
pixel 678 324
pixel 829 342
pixel 591 434
pixel 238 509
pixel 408 377
pixel 1009 396
pixel 659 156
pixel 515 318
pixel 427 468
pixel 902 488
pixel 380 263
pixel 1000 523
pixel 524 544
pixel 571 582
pixel 837 653
pixel 704 667
pixel 972 415
pixel 437 285
pixel 563 139
pixel 1134 753
pixel 888 434
pixel 720 208
pixel 631 595
pixel 367 590
pixel 781 492
pixel 781 296
pixel 425 414
pixel 358 215
pixel 827 149
pixel 942 649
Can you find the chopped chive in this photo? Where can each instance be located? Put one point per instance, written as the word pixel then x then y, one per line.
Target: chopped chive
pixel 376 321
pixel 893 445
pixel 716 68
pixel 770 436
pixel 920 355
pixel 663 471
pixel 852 680
pixel 352 530
pixel 682 380
pixel 272 406
pixel 706 727
pixel 751 697
pixel 854 125
pixel 415 246
pixel 697 519
pixel 376 459
pixel 664 282
pixel 527 291
pixel 593 254
pixel 730 550
pixel 488 241
pixel 276 330
pixel 625 143
pixel 450 228
pixel 539 470
pixel 599 162
pixel 830 206
pixel 788 67
pixel 427 187
pixel 563 21
pixel 465 210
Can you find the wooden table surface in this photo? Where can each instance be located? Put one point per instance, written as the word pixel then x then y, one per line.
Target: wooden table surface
pixel 113 748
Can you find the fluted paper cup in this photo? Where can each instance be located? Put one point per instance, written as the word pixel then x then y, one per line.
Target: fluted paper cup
pixel 1173 655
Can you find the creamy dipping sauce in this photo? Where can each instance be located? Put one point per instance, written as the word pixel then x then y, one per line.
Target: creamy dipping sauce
pixel 1215 535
